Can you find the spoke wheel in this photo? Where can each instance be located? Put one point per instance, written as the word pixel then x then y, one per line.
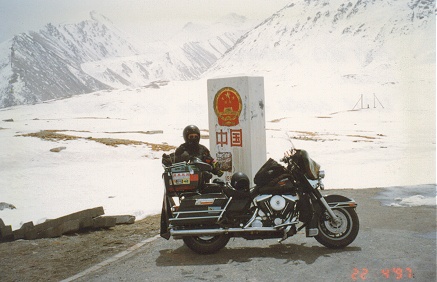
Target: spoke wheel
pixel 339 234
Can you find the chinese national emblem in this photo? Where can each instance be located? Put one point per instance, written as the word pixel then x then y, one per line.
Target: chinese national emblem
pixel 227 106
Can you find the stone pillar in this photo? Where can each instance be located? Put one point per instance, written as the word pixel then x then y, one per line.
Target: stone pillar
pixel 237 130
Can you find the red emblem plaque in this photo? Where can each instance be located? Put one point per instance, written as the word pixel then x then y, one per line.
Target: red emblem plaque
pixel 227 106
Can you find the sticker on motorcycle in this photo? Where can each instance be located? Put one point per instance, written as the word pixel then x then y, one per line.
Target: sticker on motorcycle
pixel 181 178
pixel 202 202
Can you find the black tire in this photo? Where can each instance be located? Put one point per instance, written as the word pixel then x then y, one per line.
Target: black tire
pixel 337 236
pixel 206 244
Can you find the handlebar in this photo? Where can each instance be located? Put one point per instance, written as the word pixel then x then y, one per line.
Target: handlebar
pixel 288 155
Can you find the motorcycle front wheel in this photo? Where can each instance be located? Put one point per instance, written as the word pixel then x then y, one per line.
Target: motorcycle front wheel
pixel 338 235
pixel 206 244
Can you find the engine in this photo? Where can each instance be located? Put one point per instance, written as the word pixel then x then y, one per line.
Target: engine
pixel 273 209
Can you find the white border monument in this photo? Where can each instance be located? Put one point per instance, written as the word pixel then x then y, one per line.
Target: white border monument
pixel 237 128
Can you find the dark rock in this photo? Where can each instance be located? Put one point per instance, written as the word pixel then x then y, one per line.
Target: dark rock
pixel 58 149
pixel 4 205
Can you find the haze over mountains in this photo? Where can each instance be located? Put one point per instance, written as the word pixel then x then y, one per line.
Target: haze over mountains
pixel 336 42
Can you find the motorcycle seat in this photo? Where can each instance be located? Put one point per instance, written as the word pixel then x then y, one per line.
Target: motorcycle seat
pixel 237 194
pixel 211 188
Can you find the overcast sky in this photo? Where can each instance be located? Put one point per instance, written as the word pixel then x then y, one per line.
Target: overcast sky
pixel 18 16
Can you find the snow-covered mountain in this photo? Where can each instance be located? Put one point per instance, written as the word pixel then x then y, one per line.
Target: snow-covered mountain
pixel 333 51
pixel 337 42
pixel 43 65
pixel 60 61
pixel 356 40
pixel 187 55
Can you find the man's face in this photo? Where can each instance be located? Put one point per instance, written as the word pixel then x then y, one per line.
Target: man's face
pixel 193 138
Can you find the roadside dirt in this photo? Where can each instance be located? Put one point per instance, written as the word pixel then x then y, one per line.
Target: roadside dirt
pixel 59 258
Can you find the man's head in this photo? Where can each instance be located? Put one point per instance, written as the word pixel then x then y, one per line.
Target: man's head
pixel 191 135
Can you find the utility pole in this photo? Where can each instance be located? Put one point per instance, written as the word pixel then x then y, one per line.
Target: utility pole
pixel 360 100
pixel 376 99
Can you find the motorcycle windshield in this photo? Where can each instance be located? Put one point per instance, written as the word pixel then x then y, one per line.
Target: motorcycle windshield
pixel 309 166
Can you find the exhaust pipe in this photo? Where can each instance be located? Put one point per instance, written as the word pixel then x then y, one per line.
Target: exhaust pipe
pixel 218 231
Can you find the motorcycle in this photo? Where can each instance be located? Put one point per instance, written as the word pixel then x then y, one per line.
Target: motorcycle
pixel 284 200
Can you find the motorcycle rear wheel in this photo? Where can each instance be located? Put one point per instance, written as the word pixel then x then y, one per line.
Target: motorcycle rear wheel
pixel 337 236
pixel 206 244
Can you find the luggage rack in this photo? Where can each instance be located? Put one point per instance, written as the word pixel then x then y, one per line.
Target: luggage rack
pixel 198 215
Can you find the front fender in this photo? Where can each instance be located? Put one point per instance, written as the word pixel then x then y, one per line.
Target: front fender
pixel 339 201
pixel 334 201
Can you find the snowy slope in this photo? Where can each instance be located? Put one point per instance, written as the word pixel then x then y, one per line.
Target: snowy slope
pixel 358 149
pixel 60 61
pixel 43 65
pixel 340 36
pixel 312 47
pixel 186 55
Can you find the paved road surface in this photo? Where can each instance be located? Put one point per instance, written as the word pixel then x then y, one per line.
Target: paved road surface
pixel 394 244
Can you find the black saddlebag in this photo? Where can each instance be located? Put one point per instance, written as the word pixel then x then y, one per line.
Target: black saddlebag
pixel 200 209
pixel 269 171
